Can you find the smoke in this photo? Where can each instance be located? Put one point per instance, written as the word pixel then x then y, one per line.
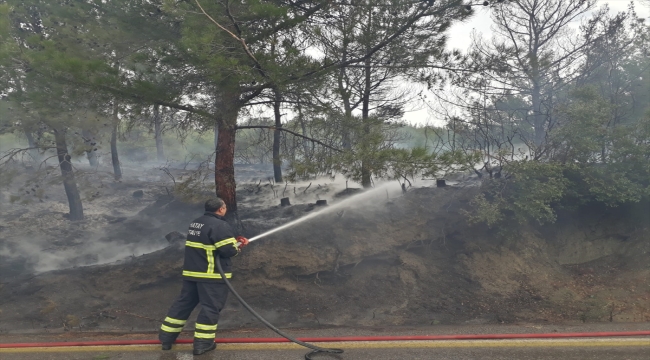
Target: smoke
pixel 39 254
pixel 35 235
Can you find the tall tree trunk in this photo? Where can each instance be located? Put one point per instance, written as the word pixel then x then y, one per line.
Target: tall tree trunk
pixel 224 172
pixel 224 166
pixel 117 169
pixel 366 173
pixel 90 142
pixel 216 135
pixel 539 121
pixel 157 122
pixel 303 126
pixel 33 151
pixel 538 118
pixel 67 173
pixel 277 133
pixel 345 96
pixel 277 136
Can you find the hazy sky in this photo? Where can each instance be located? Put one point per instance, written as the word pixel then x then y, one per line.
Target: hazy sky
pixel 460 36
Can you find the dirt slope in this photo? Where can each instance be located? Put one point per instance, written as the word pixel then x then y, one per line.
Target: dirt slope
pixel 406 261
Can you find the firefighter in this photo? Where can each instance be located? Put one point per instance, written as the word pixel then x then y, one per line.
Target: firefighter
pixel 210 238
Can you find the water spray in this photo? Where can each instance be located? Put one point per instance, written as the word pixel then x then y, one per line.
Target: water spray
pixel 329 209
pixel 315 349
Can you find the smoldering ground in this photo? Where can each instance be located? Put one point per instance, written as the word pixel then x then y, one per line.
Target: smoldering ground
pixel 404 260
pixel 36 236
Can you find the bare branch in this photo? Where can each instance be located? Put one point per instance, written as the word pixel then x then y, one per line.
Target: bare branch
pixel 290 132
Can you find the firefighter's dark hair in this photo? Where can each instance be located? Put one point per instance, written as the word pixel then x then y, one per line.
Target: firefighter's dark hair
pixel 212 205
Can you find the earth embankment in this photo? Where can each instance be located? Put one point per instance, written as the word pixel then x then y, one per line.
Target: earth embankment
pixel 407 260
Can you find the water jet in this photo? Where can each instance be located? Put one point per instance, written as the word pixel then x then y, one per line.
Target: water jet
pixel 325 210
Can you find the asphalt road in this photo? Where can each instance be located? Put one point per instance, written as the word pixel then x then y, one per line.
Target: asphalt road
pixel 563 349
pixel 579 349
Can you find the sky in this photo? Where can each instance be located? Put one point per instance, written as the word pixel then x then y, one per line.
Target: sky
pixel 460 37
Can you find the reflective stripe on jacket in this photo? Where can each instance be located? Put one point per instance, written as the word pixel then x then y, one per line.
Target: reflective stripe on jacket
pixel 209 238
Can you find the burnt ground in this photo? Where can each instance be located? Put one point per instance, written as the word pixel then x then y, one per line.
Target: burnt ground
pixel 379 260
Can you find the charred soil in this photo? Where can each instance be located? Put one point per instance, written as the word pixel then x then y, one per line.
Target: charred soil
pixel 407 260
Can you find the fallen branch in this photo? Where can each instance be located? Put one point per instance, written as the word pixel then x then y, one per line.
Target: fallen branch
pixel 166 170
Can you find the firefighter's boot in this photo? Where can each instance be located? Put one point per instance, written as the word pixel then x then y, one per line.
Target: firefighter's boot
pixel 202 347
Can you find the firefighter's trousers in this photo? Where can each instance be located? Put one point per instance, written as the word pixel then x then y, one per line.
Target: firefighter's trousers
pixel 212 297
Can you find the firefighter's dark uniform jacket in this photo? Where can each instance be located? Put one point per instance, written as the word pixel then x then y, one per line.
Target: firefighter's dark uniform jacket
pixel 210 238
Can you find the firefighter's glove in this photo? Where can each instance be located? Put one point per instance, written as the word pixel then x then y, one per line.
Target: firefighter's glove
pixel 242 242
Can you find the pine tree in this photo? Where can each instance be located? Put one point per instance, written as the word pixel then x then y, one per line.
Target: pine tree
pixel 209 58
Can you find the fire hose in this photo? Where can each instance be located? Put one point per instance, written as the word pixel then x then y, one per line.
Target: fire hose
pixel 315 349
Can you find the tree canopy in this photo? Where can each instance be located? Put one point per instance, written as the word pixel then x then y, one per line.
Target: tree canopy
pixel 546 114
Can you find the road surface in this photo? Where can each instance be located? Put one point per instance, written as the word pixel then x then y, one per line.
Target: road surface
pixel 623 348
